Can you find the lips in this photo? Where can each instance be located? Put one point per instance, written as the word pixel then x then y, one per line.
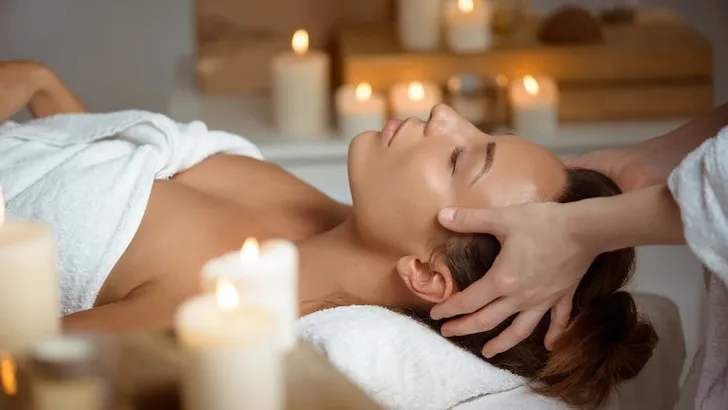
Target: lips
pixel 390 130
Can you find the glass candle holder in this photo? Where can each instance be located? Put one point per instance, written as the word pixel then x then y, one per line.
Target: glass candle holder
pixel 508 15
pixel 480 100
pixel 67 373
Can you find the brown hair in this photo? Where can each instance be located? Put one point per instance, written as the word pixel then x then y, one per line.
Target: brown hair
pixel 605 343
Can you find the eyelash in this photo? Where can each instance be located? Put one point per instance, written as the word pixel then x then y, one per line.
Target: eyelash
pixel 454 158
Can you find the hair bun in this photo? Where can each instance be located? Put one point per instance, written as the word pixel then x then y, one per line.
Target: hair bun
pixel 606 343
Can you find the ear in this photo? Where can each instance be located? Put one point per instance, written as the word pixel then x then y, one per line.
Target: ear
pixel 430 282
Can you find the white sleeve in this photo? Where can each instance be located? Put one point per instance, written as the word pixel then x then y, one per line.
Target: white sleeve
pixel 700 187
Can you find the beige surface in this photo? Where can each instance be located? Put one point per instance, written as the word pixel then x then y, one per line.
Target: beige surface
pixel 236 39
pixel 147 376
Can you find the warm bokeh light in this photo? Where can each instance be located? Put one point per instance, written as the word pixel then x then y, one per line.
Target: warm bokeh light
pixel 466 6
pixel 227 295
pixel 501 80
pixel 2 207
pixel 8 377
pixel 250 250
pixel 299 43
pixel 531 85
pixel 416 92
pixel 363 92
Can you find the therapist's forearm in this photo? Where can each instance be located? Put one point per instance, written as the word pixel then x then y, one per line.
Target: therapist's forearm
pixel 648 216
pixel 675 145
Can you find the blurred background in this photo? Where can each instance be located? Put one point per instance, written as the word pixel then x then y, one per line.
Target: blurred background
pixel 123 54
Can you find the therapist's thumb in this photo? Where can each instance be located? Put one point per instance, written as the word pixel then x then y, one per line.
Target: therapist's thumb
pixel 466 220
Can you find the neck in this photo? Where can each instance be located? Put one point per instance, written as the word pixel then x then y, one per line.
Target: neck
pixel 338 269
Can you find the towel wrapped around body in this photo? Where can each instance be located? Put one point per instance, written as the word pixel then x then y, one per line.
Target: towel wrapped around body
pixel 89 177
pixel 700 187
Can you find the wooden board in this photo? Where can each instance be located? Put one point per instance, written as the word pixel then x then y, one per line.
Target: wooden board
pixel 148 377
pixel 656 67
pixel 145 376
pixel 236 39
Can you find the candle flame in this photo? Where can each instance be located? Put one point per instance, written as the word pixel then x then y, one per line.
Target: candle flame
pixel 250 250
pixel 466 6
pixel 227 296
pixel 2 207
pixel 8 377
pixel 300 42
pixel 363 92
pixel 416 91
pixel 531 85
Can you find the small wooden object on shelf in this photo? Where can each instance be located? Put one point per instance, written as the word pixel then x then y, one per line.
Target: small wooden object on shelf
pixel 656 67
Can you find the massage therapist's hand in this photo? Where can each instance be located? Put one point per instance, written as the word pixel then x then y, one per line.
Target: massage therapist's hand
pixel 631 168
pixel 539 267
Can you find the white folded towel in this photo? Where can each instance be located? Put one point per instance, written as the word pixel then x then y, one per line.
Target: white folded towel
pixel 404 365
pixel 400 362
pixel 89 177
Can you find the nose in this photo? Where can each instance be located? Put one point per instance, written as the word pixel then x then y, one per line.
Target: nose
pixel 442 118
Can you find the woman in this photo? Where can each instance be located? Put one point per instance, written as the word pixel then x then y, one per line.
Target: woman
pixel 387 248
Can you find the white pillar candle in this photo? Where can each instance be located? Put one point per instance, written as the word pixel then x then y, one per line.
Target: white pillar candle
pixel 414 99
pixel 468 25
pixel 359 110
pixel 29 289
pixel 534 104
pixel 265 277
pixel 232 363
pixel 301 90
pixel 419 24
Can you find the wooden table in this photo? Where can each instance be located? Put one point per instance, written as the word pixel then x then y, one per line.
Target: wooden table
pixel 145 375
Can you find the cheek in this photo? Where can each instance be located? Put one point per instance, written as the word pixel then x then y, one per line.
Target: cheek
pixel 398 208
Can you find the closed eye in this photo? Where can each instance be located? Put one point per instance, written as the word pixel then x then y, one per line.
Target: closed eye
pixel 454 158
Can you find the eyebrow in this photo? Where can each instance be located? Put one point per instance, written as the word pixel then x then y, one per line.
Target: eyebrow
pixel 489 153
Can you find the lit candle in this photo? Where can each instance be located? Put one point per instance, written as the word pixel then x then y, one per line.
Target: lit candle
pixel 29 290
pixel 359 109
pixel 534 103
pixel 265 277
pixel 419 24
pixel 300 90
pixel 468 25
pixel 232 363
pixel 414 99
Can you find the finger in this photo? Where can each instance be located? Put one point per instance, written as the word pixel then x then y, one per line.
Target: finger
pixel 483 320
pixel 560 315
pixel 519 330
pixel 466 220
pixel 479 294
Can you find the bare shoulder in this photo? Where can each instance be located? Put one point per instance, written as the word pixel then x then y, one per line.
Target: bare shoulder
pixel 266 189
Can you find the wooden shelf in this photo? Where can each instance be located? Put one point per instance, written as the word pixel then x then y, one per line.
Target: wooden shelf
pixel 656 67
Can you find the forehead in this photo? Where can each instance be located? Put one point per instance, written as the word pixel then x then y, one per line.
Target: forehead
pixel 521 172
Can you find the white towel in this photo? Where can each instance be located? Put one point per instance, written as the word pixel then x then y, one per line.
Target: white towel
pixel 404 365
pixel 89 177
pixel 700 187
pixel 400 362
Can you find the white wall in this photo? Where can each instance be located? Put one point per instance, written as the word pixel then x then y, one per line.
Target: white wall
pixel 121 54
pixel 114 54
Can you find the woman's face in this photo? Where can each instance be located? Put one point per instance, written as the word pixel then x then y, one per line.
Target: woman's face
pixel 403 176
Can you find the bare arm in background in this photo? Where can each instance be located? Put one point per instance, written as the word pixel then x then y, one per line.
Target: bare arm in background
pixel 651 162
pixel 27 84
